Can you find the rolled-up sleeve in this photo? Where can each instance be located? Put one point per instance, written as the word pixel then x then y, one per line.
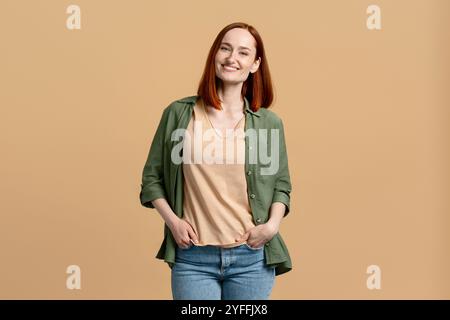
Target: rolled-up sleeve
pixel 283 187
pixel 152 186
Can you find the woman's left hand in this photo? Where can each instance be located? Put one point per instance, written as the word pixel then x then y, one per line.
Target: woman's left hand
pixel 257 236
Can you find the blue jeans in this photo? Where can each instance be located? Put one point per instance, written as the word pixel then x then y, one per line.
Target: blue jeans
pixel 215 273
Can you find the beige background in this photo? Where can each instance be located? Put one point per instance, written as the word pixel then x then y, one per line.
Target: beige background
pixel 366 115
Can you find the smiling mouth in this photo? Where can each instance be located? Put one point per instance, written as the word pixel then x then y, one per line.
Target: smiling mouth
pixel 227 68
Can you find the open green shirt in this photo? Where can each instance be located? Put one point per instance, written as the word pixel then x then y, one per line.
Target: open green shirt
pixel 163 178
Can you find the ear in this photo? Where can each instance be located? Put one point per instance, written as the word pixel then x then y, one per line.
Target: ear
pixel 255 65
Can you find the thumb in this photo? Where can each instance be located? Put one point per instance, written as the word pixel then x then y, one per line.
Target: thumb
pixel 192 234
pixel 243 237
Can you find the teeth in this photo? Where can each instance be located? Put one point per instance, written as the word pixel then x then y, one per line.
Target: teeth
pixel 229 68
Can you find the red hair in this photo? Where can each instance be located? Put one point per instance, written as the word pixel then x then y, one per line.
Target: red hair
pixel 258 86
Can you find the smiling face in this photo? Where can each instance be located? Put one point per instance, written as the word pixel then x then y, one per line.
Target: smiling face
pixel 235 58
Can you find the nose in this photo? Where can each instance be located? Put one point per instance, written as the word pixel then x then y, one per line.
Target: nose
pixel 231 56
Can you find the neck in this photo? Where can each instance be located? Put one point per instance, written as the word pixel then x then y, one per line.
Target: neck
pixel 230 95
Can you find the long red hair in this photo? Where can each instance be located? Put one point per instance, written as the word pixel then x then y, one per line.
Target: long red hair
pixel 258 86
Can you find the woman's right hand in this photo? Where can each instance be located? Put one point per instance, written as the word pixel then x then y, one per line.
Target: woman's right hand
pixel 183 232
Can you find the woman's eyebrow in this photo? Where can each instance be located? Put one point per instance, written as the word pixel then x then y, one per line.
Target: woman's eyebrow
pixel 241 47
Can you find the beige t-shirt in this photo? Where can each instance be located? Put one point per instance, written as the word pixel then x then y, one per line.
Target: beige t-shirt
pixel 215 201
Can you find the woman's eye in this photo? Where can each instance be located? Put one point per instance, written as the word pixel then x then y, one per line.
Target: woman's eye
pixel 225 48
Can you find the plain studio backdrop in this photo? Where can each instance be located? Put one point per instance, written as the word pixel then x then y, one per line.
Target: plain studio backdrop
pixel 366 115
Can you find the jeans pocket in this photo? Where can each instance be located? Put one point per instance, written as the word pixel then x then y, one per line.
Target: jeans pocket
pixel 184 249
pixel 251 248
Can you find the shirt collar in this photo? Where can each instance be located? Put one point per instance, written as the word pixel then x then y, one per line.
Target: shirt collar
pixel 247 107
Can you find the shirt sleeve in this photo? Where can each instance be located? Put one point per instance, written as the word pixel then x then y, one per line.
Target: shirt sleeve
pixel 152 186
pixel 283 185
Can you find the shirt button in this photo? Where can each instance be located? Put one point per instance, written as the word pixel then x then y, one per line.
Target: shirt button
pixel 249 172
pixel 258 220
pixel 252 196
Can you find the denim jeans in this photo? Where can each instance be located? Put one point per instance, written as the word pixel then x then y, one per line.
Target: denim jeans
pixel 215 273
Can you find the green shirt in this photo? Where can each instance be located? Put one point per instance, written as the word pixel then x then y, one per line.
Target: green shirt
pixel 162 178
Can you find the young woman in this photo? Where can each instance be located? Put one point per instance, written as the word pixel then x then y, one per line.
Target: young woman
pixel 217 172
